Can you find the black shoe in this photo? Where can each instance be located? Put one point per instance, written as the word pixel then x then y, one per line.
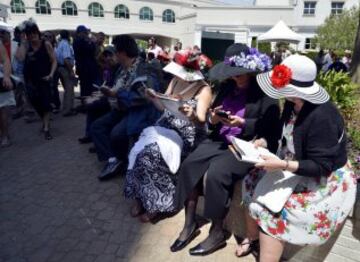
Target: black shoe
pixel 85 140
pixel 180 244
pixel 200 251
pixel 109 170
pixel 73 112
pixel 17 115
pixel 56 110
pixel 47 135
pixel 92 150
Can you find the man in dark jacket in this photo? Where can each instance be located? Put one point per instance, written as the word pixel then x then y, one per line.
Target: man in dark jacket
pixel 86 65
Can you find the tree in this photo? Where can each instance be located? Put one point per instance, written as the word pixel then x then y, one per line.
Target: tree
pixel 339 31
pixel 355 64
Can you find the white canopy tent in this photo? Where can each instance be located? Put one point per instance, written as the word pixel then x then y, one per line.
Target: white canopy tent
pixel 6 27
pixel 280 33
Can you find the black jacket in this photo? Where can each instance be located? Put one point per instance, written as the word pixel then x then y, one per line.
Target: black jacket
pixel 319 138
pixel 262 114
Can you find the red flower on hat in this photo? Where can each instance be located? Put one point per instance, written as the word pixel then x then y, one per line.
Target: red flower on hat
pixel 187 60
pixel 281 76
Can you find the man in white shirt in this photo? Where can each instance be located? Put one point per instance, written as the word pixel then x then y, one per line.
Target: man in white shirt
pixel 153 47
pixel 327 60
pixel 65 59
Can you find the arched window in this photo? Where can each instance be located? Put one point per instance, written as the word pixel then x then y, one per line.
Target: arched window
pixel 96 10
pixel 69 8
pixel 168 16
pixel 43 7
pixel 17 7
pixel 146 13
pixel 121 11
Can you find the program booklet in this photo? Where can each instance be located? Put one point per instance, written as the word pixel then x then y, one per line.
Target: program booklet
pixel 246 151
pixel 172 104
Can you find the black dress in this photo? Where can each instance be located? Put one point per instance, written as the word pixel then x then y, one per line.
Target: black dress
pixel 37 66
pixel 213 158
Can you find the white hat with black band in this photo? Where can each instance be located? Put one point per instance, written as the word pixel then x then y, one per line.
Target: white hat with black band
pixel 294 77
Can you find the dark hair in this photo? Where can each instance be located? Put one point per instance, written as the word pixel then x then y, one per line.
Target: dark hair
pixel 17 30
pixel 127 44
pixel 64 34
pixel 153 39
pixel 31 28
pixel 151 55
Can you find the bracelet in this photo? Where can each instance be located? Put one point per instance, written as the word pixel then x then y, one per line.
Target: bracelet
pixel 287 165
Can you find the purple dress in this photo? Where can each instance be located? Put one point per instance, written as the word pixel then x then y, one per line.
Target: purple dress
pixel 235 103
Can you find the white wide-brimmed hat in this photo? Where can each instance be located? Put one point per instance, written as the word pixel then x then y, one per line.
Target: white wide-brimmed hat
pixel 294 77
pixel 186 66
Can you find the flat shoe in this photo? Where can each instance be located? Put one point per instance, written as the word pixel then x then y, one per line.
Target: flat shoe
pixel 47 135
pixel 85 140
pixel 200 251
pixel 180 244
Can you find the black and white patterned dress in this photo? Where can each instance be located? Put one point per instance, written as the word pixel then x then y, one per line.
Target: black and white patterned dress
pixel 151 180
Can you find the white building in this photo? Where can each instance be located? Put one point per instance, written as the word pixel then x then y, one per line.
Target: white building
pixel 191 22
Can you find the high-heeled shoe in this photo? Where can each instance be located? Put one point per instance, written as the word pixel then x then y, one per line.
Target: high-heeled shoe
pixel 180 244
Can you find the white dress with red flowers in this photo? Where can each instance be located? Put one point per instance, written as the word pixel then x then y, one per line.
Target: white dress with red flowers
pixel 315 210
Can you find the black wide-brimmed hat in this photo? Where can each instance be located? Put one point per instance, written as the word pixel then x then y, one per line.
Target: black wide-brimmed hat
pixel 239 60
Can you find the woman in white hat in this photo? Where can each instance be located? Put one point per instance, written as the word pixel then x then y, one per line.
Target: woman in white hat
pixel 312 153
pixel 155 158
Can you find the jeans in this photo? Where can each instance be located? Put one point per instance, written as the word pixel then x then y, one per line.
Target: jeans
pixel 120 141
pixel 101 131
pixel 95 110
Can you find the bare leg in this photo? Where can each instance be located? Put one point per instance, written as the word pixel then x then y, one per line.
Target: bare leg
pixel 46 121
pixel 252 233
pixel 271 248
pixel 46 126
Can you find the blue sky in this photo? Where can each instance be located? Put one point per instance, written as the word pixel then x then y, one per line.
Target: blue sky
pixel 238 2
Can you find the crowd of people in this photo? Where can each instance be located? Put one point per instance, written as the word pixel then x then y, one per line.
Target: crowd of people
pixel 325 61
pixel 332 61
pixel 171 156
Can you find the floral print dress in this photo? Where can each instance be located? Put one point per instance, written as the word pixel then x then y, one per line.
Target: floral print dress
pixel 315 210
pixel 151 180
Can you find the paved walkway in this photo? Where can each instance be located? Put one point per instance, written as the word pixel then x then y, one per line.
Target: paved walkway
pixel 53 208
